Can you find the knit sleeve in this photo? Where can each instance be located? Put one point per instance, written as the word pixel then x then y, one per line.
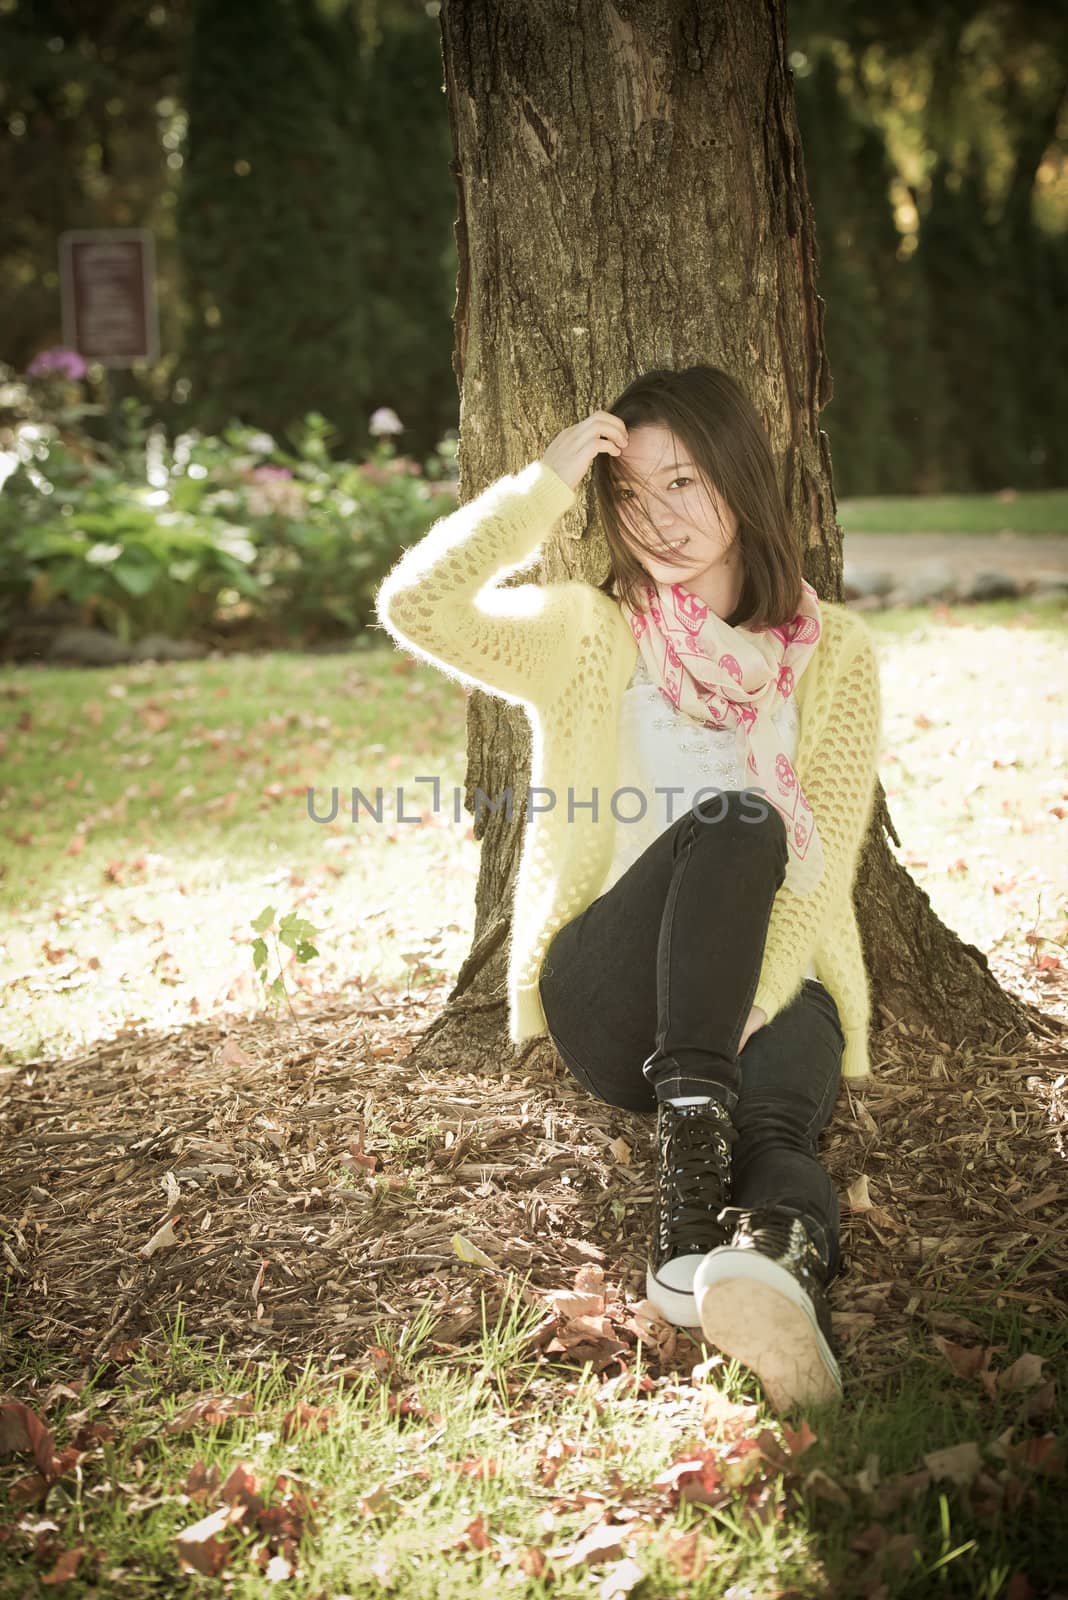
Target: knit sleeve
pixel 442 600
pixel 841 792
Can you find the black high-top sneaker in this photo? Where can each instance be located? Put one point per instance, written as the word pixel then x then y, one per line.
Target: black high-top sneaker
pixel 692 1180
pixel 761 1301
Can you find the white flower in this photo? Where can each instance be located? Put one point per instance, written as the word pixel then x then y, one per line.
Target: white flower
pixel 385 420
pixel 101 554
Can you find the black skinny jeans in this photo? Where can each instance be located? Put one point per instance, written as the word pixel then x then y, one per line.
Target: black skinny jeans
pixel 647 991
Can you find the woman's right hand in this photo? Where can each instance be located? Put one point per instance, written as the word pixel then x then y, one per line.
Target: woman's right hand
pixel 572 451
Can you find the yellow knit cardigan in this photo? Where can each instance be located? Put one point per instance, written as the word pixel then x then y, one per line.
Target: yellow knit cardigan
pixel 564 651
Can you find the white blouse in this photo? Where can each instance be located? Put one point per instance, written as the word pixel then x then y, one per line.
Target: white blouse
pixel 661 748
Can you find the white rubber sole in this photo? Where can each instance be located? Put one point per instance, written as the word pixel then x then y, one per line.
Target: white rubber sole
pixel 755 1312
pixel 676 1306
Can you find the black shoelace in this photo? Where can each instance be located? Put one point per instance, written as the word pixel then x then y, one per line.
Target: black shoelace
pixel 778 1234
pixel 694 1174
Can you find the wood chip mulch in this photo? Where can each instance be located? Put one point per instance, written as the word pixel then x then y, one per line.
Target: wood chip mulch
pixel 291 1186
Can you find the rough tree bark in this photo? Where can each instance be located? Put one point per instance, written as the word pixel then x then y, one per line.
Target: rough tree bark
pixel 631 193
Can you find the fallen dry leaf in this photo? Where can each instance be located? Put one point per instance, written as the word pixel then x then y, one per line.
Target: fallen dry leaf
pixel 603 1542
pixel 211 1410
pixel 1025 1373
pixel 821 1486
pixel 688 1551
pixel 161 1239
pixel 23 1432
pixel 966 1360
pixel 303 1418
pixel 959 1462
pixel 620 1579
pixel 474 1537
pixel 201 1547
pixel 66 1567
pixel 469 1252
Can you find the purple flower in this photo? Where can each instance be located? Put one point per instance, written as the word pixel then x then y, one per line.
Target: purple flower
pixel 69 362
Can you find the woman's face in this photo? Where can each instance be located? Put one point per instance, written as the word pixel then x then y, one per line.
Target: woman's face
pixel 692 522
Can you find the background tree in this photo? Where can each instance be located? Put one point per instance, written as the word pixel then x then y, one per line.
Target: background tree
pixel 629 198
pixel 936 139
pixel 269 217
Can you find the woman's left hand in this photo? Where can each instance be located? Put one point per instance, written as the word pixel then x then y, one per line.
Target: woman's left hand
pixel 756 1019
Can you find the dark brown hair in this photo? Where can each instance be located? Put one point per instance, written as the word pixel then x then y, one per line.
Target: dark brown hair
pixel 711 415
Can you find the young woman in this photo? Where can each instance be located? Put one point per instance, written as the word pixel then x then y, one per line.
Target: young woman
pixel 683 927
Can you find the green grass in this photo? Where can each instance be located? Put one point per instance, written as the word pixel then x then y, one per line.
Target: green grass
pixel 149 813
pixel 1035 512
pixel 437 1472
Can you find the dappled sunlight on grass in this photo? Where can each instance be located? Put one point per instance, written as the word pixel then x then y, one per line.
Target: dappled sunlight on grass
pixel 973 765
pixel 150 813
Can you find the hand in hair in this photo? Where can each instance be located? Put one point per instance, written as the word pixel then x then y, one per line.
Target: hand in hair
pixel 572 451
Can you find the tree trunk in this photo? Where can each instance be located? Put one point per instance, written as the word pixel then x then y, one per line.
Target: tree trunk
pixel 632 193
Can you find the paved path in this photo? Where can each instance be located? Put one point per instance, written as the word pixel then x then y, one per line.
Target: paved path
pixel 966 553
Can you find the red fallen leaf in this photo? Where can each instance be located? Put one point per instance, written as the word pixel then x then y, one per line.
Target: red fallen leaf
pixel 381 1360
pixel 688 1552
pixel 123 1349
pixel 307 1419
pixel 552 1459
pixel 1019 1587
pixel 474 1537
pixel 532 1561
pixel 401 1405
pixel 28 1491
pixel 92 1433
pixel 476 1467
pixel 627 1384
pixel 797 1443
pixel 202 1481
pixel 22 1431
pixel 286 1520
pixel 241 1491
pixel 211 1410
pixel 200 1548
pixel 65 1567
pixel 698 1478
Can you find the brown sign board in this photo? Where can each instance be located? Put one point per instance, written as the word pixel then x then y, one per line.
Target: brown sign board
pixel 108 284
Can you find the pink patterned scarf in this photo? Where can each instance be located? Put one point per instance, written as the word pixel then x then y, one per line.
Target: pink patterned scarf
pixel 737 677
